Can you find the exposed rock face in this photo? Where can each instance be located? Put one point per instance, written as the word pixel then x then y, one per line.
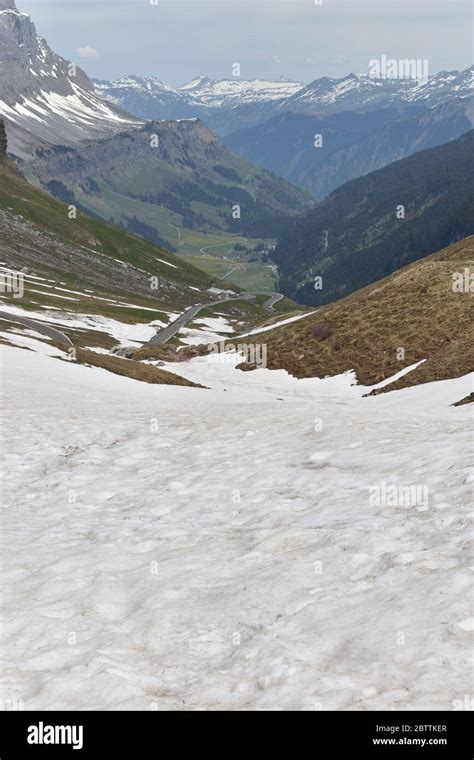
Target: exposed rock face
pixel 43 97
pixel 28 64
pixel 3 134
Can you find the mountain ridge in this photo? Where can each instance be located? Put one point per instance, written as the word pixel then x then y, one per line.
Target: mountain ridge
pixel 179 168
pixel 250 102
pixel 352 143
pixel 354 92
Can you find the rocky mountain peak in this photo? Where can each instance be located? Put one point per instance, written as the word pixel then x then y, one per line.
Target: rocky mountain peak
pixel 28 64
pixel 43 97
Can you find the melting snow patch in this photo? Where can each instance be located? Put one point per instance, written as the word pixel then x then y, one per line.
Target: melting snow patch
pixel 200 566
pixel 287 321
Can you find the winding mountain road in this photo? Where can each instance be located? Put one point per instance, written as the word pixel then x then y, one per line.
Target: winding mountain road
pixel 51 332
pixel 161 337
pixel 167 332
pixel 170 330
pixel 274 298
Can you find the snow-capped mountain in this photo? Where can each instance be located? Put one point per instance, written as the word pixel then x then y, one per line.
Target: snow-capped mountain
pixel 229 104
pixel 228 93
pixel 150 98
pixel 43 97
pixel 441 86
pixel 139 84
pixel 147 97
pixel 350 93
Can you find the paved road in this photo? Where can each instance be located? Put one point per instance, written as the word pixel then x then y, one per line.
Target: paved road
pixel 160 338
pixel 167 332
pixel 41 327
pixel 274 297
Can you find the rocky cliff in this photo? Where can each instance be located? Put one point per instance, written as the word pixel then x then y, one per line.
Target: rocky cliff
pixel 3 136
pixel 43 97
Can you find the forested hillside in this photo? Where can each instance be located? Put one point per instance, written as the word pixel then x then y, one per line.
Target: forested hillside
pixel 372 226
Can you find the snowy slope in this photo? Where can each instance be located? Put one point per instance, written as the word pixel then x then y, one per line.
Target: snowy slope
pixel 147 97
pixel 228 93
pixel 185 548
pixel 442 85
pixel 141 84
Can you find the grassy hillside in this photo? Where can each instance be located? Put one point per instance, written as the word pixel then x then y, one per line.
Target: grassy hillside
pixel 36 232
pixel 144 373
pixel 414 309
pixel 169 175
pixel 374 225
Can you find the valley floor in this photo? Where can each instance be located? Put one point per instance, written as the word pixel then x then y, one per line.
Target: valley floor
pixel 183 548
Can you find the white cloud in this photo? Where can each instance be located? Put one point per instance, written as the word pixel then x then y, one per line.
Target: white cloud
pixel 87 52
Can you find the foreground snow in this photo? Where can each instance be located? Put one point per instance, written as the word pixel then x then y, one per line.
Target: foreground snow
pixel 184 548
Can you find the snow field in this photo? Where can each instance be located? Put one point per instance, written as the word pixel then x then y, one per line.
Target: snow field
pixel 182 548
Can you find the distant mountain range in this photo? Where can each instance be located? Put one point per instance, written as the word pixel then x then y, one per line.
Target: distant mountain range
pixel 365 123
pixel 353 143
pixel 254 101
pixel 353 93
pixel 372 226
pixel 150 98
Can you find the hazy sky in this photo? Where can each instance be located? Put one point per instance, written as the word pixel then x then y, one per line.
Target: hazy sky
pixel 178 40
